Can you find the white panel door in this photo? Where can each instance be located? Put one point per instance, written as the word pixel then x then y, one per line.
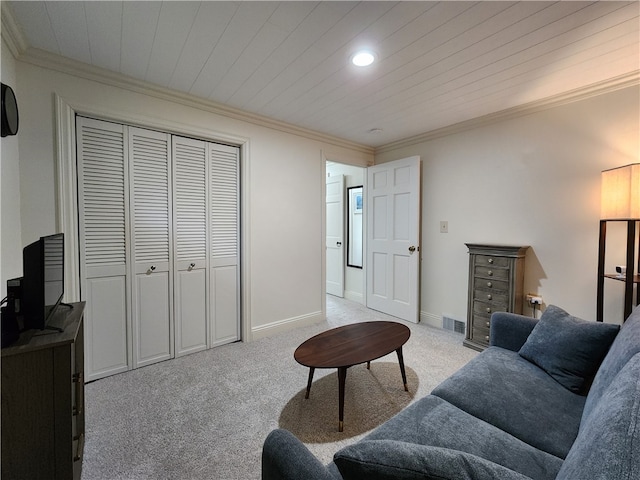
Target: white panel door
pixel 224 253
pixel 335 235
pixel 393 238
pixel 103 231
pixel 150 213
pixel 190 230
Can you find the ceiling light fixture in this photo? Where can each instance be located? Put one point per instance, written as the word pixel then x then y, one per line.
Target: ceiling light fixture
pixel 363 58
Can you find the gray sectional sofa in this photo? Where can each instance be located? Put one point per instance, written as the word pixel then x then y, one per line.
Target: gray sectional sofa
pixel 555 398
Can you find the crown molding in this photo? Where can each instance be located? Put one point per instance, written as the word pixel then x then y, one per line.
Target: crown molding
pixel 11 33
pixel 599 88
pixel 51 61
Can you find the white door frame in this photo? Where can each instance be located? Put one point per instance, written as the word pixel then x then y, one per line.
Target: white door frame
pixel 67 192
pixel 336 158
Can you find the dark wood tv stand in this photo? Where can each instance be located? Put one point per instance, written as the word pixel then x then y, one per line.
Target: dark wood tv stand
pixel 43 400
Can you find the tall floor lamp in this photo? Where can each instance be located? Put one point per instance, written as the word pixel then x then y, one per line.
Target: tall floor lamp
pixel 620 203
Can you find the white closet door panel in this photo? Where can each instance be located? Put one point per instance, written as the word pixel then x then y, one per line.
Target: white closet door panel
pixel 106 326
pixel 102 192
pixel 103 220
pixel 189 159
pixel 225 305
pixel 224 200
pixel 153 340
pixel 190 230
pixel 224 214
pixel 191 333
pixel 149 174
pixel 151 201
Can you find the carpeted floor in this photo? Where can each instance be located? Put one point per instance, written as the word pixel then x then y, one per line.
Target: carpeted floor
pixel 205 416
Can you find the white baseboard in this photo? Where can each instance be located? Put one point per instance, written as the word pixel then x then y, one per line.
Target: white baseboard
pixel 286 324
pixel 354 296
pixel 431 319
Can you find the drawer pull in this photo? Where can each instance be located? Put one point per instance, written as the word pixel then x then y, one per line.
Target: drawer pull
pixel 79 448
pixel 490 260
pixel 488 310
pixel 489 296
pixel 486 338
pixel 489 324
pixel 78 380
pixel 490 273
pixel 489 284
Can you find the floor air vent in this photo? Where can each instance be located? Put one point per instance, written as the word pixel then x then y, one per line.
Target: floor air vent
pixel 452 324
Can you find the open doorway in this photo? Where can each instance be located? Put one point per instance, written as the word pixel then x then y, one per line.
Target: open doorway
pixel 345 235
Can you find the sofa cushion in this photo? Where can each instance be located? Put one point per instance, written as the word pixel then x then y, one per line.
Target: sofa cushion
pixel 568 348
pixel 391 459
pixel 625 346
pixel 511 393
pixel 433 422
pixel 608 445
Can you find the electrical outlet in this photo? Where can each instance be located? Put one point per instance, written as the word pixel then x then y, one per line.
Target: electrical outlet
pixel 444 226
pixel 534 299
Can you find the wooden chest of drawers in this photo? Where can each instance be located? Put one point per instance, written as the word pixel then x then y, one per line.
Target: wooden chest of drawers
pixel 496 278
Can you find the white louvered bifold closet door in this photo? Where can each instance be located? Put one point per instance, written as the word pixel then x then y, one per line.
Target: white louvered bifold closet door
pixel 103 231
pixel 224 271
pixel 149 174
pixel 190 230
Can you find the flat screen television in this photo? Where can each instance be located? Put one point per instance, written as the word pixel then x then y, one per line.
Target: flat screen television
pixel 43 280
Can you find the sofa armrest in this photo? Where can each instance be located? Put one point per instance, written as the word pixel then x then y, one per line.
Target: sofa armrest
pixel 510 330
pixel 284 457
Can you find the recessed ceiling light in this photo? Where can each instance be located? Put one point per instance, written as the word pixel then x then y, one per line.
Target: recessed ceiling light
pixel 363 58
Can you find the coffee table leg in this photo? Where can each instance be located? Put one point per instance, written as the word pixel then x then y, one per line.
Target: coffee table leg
pixel 342 376
pixel 311 370
pixel 401 362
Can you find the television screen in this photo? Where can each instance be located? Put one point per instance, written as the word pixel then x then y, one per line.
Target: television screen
pixel 43 280
pixel 53 274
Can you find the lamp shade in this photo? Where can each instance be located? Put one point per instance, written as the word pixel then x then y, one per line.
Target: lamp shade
pixel 621 193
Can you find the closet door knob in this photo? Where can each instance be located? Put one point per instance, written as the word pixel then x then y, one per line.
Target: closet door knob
pixel 152 268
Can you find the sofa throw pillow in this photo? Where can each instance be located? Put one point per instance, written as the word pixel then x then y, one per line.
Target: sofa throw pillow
pixel 568 348
pixel 392 459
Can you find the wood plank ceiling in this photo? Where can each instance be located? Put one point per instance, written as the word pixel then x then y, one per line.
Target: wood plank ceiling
pixel 438 63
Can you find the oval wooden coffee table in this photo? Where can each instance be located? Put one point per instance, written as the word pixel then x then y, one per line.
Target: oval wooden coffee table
pixel 350 345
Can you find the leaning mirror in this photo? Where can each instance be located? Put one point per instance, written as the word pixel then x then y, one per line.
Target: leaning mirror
pixel 354 227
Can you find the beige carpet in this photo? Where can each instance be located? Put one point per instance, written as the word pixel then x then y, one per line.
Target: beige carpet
pixel 205 416
pixel 371 397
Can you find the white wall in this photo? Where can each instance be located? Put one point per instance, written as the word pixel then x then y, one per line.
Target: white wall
pixel 10 239
pixel 286 188
pixel 532 180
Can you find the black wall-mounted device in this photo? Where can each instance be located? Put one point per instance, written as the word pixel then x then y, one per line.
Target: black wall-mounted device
pixel 9 111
